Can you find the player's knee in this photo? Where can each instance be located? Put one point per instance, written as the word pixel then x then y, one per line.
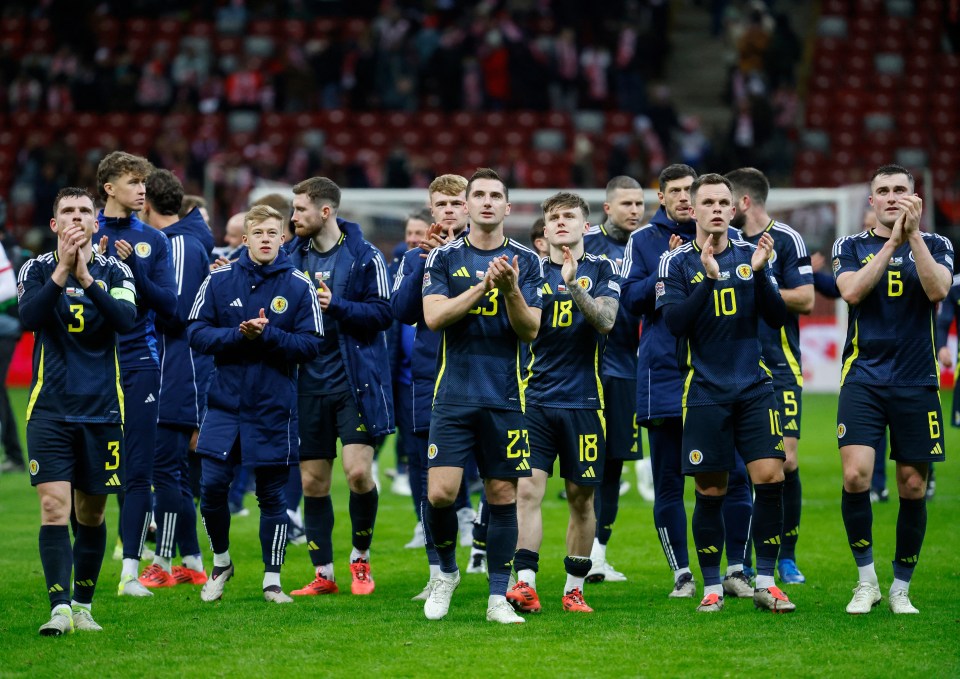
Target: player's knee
pixel 360 479
pixel 912 486
pixel 54 509
pixel 442 497
pixel 856 480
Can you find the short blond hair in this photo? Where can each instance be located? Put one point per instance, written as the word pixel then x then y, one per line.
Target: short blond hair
pixel 259 214
pixel 448 185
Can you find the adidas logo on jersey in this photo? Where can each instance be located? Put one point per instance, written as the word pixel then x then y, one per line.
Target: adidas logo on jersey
pixel 867 258
pixel 697 278
pixel 236 302
pixel 461 273
pixel 589 474
pixel 937 449
pixel 113 481
pixel 523 466
pixel 150 399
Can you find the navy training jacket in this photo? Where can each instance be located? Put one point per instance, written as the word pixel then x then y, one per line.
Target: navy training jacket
pixel 184 372
pixel 360 307
pixel 253 393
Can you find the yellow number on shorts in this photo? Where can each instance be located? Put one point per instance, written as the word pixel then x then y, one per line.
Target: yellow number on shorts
pixel 562 313
pixel 77 311
pixel 494 304
pixel 789 403
pixel 113 447
pixel 775 422
pixel 934 424
pixel 725 302
pixel 894 284
pixel 515 438
pixel 588 447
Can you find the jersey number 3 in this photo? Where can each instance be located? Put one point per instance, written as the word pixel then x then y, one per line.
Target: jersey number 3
pixel 77 311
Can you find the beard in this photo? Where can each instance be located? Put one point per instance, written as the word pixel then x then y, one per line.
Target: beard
pixel 738 220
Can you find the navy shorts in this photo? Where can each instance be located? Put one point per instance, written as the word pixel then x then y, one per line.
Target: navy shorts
pixel 788 395
pixel 574 436
pixel 714 434
pixel 324 419
pixel 913 415
pixel 620 408
pixel 89 455
pixel 496 438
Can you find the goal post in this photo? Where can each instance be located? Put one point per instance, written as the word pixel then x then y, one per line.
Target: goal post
pixel 820 215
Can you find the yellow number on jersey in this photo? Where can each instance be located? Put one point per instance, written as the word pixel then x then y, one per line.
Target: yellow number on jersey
pixel 113 447
pixel 789 403
pixel 725 302
pixel 894 284
pixel 775 422
pixel 494 304
pixel 562 313
pixel 934 424
pixel 588 447
pixel 77 311
pixel 513 450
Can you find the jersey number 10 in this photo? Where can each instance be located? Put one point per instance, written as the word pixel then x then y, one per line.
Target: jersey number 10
pixel 725 302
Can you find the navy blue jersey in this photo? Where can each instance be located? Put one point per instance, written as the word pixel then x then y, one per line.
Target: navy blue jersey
pixel 152 268
pixel 721 359
pixel 790 265
pixel 480 361
pixel 324 374
pixel 620 350
pixel 567 351
pixel 890 334
pixel 76 374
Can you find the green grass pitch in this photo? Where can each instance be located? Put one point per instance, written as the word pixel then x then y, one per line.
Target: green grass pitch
pixel 636 630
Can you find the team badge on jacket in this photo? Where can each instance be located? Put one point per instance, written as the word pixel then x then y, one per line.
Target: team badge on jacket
pixel 278 305
pixel 142 249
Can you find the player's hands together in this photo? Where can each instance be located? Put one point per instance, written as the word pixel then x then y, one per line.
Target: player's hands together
pixel 324 294
pixel 569 268
pixel 762 253
pixel 504 274
pixel 710 265
pixel 675 242
pixel 436 236
pixel 218 262
pixel 254 327
pixel 81 272
pixel 68 245
pixel 912 208
pixel 124 249
pixel 898 234
pixel 946 357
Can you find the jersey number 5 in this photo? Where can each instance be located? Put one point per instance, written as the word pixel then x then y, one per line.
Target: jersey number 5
pixel 77 311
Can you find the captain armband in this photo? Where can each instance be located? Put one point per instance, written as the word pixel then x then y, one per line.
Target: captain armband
pixel 126 292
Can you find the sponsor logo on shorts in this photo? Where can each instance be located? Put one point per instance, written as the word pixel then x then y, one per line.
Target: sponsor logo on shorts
pixel 279 304
pixel 142 249
pixel 432 451
pixel 696 457
pixel 34 467
pixel 744 272
pixel 841 430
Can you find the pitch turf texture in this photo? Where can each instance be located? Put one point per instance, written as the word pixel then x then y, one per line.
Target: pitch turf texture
pixel 636 630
